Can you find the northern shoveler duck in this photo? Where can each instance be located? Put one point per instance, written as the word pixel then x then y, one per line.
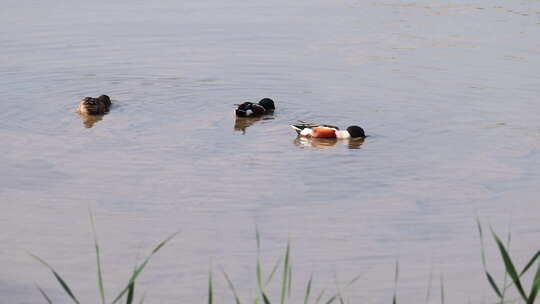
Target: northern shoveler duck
pixel 250 109
pixel 94 106
pixel 328 131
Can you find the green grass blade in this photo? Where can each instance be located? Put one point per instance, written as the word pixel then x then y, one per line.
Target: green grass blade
pixel 510 269
pixel 165 241
pixel 259 275
pixel 142 298
pixel 489 277
pixel 482 249
pixel 65 286
pixel 530 263
pixel 258 238
pixel 259 282
pixel 319 297
pixel 290 282
pixel 258 271
pixel 44 294
pixel 210 288
pixel 139 269
pixel 131 290
pixel 396 278
pixel 430 281
pixel 494 285
pixel 338 289
pixel 231 286
pixel 442 289
pixel 338 294
pixel 58 278
pixel 353 280
pixel 526 268
pixel 130 293
pixel 285 273
pixel 265 298
pixel 332 299
pixel 535 286
pixel 505 280
pixel 274 269
pixel 308 290
pixel 98 259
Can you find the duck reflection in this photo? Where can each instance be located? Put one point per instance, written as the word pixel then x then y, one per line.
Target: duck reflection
pixel 242 123
pixel 327 143
pixel 354 143
pixel 89 120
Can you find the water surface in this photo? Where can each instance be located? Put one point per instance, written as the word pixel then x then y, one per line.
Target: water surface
pixel 448 92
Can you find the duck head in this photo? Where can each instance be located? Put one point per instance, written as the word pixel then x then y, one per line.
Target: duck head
pixel 105 99
pixel 356 132
pixel 267 103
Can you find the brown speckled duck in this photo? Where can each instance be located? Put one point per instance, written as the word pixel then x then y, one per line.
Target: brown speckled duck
pixel 94 106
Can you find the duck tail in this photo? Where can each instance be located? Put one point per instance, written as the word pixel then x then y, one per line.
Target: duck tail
pixel 297 129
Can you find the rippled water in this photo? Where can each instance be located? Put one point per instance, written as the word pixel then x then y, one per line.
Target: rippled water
pixel 448 92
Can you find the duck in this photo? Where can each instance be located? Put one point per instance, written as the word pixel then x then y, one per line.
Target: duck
pixel 94 106
pixel 250 109
pixel 306 129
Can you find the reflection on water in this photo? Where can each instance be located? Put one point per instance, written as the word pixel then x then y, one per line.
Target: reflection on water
pixel 354 143
pixel 89 120
pixel 326 143
pixel 242 123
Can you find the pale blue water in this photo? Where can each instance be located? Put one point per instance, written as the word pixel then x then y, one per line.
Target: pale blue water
pixel 449 92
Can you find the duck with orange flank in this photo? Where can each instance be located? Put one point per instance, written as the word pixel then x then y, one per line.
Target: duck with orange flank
pixel 328 131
